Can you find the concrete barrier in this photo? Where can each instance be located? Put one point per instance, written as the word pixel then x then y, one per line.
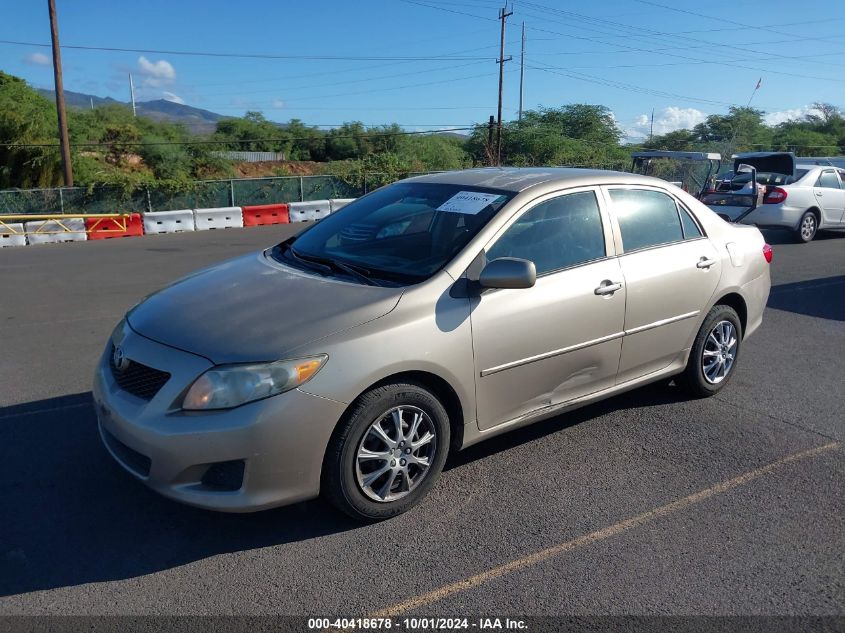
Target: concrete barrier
pixel 339 203
pixel 306 211
pixel 12 235
pixel 55 231
pixel 169 221
pixel 218 218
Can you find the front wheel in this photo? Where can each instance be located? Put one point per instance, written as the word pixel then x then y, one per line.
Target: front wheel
pixel 387 453
pixel 714 353
pixel 807 227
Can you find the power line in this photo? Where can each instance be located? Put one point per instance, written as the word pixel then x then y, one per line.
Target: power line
pixel 251 55
pixel 647 33
pixel 350 81
pixel 720 19
pixel 250 140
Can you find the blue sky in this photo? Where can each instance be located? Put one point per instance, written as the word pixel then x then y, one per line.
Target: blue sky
pixel 630 55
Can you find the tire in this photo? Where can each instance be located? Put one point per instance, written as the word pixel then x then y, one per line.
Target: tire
pixel 357 452
pixel 702 378
pixel 807 228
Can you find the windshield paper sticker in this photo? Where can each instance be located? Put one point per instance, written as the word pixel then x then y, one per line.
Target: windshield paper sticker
pixel 468 202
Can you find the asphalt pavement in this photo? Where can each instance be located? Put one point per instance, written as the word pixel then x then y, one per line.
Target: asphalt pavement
pixel 648 503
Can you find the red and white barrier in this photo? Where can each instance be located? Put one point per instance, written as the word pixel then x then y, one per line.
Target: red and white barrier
pixel 55 231
pixel 308 211
pixel 105 228
pixel 263 214
pixel 339 203
pixel 12 235
pixel 169 221
pixel 218 218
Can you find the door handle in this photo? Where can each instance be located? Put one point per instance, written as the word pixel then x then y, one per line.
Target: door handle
pixel 608 287
pixel 704 262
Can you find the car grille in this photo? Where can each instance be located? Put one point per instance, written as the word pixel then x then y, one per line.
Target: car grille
pixel 139 380
pixel 132 459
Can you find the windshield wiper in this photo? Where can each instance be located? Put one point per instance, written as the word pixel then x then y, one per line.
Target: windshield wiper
pixel 353 270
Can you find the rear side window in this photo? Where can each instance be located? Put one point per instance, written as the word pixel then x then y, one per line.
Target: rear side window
pixel 646 218
pixel 828 180
pixel 691 230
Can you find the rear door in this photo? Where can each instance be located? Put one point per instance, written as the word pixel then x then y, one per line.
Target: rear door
pixel 830 197
pixel 671 271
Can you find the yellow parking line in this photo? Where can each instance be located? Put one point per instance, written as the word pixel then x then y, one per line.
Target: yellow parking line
pixel 593 537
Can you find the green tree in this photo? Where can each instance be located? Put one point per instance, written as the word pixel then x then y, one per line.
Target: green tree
pixel 28 119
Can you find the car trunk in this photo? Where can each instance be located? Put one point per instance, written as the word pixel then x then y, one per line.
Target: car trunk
pixel 735 198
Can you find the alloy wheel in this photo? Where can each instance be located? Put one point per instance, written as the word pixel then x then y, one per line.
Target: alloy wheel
pixel 808 227
pixel 719 354
pixel 395 454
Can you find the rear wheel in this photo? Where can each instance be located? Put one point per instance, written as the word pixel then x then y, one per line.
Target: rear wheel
pixel 714 353
pixel 807 227
pixel 388 453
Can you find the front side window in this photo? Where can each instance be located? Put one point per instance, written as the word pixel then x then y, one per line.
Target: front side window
pixel 558 233
pixel 828 180
pixel 404 232
pixel 646 218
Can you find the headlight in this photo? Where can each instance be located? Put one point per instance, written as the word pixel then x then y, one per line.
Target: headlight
pixel 228 386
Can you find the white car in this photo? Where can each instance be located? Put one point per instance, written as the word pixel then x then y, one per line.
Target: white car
pixel 801 198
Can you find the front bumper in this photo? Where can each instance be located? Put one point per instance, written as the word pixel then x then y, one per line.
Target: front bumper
pixel 279 442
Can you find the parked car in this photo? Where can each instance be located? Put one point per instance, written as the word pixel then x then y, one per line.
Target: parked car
pixel 803 198
pixel 351 363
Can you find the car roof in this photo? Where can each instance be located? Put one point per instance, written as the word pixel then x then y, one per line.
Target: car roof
pixel 518 179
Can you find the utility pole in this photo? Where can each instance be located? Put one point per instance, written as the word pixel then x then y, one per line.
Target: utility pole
pixel 521 71
pixel 651 132
pixel 503 15
pixel 60 94
pixel 490 125
pixel 132 94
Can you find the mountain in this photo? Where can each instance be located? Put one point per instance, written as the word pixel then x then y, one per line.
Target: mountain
pixel 197 120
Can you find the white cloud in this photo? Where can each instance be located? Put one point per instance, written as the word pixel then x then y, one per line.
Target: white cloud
pixel 36 59
pixel 156 74
pixel 666 120
pixel 169 96
pixel 278 103
pixel 782 116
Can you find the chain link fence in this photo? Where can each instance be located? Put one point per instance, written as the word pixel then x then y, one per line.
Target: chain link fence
pixel 203 195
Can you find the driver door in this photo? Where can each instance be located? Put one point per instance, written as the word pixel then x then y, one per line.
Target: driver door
pixel 561 339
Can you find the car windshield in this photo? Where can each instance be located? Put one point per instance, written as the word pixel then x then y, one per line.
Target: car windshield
pixel 403 233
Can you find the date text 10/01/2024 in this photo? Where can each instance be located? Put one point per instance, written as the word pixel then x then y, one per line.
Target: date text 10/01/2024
pixel 416 624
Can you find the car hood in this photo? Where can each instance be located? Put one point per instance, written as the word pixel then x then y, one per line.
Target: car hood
pixel 255 309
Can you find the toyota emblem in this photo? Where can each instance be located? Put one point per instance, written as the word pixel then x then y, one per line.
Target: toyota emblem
pixel 119 358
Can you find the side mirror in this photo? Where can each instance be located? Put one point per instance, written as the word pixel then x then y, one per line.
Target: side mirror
pixel 508 272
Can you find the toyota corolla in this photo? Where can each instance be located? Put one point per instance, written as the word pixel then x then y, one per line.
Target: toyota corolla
pixel 351 359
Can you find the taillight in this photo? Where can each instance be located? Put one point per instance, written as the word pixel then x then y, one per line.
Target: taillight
pixel 767 253
pixel 776 195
